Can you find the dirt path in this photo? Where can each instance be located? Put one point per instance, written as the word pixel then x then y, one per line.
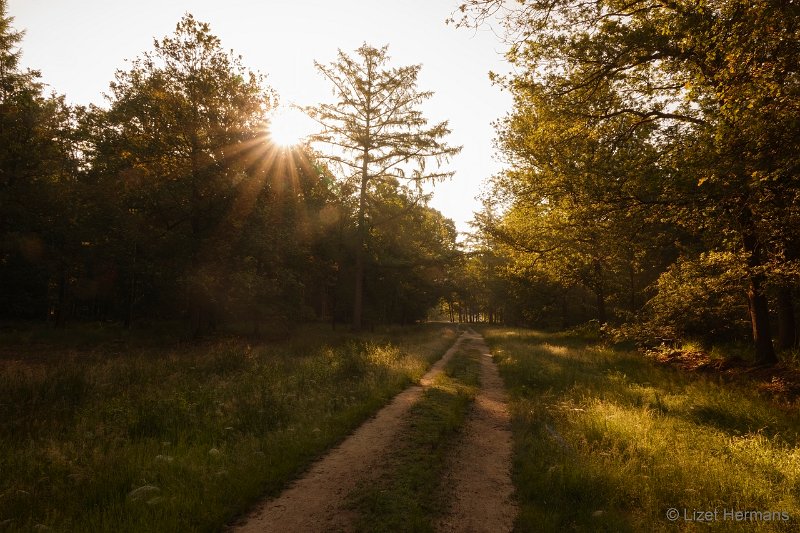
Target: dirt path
pixel 317 501
pixel 479 471
pixel 478 478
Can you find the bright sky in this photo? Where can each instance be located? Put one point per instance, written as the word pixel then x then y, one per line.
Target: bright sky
pixel 78 44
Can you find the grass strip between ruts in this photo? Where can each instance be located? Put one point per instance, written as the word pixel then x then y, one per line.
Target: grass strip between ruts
pixel 408 496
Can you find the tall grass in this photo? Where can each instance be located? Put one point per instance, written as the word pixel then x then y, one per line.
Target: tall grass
pixel 606 441
pixel 186 438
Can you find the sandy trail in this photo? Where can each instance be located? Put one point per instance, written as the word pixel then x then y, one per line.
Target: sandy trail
pixel 317 501
pixel 478 476
pixel 477 481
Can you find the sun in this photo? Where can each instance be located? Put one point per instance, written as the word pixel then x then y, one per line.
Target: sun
pixel 289 127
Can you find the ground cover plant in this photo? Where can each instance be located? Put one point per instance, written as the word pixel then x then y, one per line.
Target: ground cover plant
pixel 149 437
pixel 608 440
pixel 408 495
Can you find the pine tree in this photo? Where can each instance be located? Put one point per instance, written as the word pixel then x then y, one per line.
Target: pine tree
pixel 378 134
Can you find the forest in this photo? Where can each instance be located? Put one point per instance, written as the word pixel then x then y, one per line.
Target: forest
pixel 652 171
pixel 650 185
pixel 173 204
pixel 206 325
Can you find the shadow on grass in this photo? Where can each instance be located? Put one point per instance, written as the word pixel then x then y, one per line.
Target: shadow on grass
pixel 607 441
pixel 558 490
pixel 724 419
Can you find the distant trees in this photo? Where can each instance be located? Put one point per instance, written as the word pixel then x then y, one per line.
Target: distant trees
pixel 411 251
pixel 642 126
pixel 377 135
pixel 172 204
pixel 652 179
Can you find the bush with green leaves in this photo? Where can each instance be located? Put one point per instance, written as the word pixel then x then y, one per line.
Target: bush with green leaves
pixel 702 297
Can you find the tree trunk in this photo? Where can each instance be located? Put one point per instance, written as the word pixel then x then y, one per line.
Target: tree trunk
pixel 787 326
pixel 132 290
pixel 601 305
pixel 599 292
pixel 633 287
pixel 759 319
pixel 358 302
pixel 197 316
pixel 756 298
pixel 333 302
pixel 61 310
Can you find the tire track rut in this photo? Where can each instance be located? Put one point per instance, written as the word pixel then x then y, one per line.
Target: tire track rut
pixel 478 477
pixel 317 501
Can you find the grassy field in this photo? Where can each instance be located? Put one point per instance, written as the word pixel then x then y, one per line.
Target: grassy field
pixel 609 441
pixel 113 435
pixel 409 496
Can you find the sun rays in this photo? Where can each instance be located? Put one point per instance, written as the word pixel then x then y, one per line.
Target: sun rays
pixel 272 168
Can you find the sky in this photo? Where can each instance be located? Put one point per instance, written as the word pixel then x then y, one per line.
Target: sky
pixel 79 44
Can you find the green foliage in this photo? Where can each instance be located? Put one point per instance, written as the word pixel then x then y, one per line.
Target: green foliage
pixel 378 137
pixel 411 250
pixel 172 202
pixel 702 298
pixel 644 125
pixel 39 192
pixel 181 135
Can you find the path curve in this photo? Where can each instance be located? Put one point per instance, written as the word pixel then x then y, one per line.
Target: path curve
pixel 317 500
pixel 479 469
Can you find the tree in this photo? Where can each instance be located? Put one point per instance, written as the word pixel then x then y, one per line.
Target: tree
pixel 411 249
pixel 182 139
pixel 377 133
pixel 578 195
pixel 39 208
pixel 715 82
pixel 20 99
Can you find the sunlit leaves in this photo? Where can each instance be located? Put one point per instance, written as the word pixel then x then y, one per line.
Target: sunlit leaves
pixel 681 113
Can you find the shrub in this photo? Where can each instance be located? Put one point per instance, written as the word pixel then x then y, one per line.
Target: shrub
pixel 702 297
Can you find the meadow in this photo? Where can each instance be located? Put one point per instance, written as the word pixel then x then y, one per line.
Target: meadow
pixel 607 440
pixel 107 432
